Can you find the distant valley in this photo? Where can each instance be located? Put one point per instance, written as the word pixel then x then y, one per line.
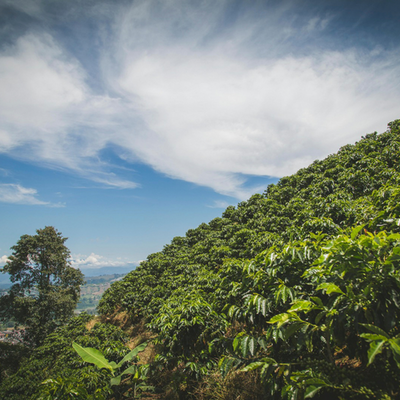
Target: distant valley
pixel 92 291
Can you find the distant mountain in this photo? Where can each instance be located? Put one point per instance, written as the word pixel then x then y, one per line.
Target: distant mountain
pixel 4 281
pixel 88 272
pixel 90 280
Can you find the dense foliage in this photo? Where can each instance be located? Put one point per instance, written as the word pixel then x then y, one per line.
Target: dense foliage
pixel 56 359
pixel 292 294
pixel 288 283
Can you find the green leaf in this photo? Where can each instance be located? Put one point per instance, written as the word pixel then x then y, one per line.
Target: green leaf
pixel 269 361
pixel 356 231
pixel 373 337
pixel 252 345
pixel 396 357
pixel 130 370
pixel 374 349
pixel 237 340
pixel 315 381
pixel 264 307
pixel 311 391
pixel 317 301
pixel 301 305
pixel 395 345
pixel 262 341
pixel 245 346
pixel 92 356
pixel 115 381
pixel 253 366
pixel 330 288
pixel 375 329
pixel 319 316
pixel 280 319
pixel 133 353
pixel 258 300
pixel 292 329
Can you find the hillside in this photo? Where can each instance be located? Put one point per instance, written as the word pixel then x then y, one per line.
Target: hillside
pixel 291 294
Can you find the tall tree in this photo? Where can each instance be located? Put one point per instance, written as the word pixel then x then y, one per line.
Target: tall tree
pixel 46 288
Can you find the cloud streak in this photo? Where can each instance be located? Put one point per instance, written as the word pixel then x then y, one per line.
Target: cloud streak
pixel 16 194
pixel 194 94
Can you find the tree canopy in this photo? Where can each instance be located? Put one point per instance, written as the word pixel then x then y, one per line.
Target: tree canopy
pixel 45 287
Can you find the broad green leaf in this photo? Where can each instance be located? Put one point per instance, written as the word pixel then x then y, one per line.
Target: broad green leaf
pixel 319 316
pixel 252 345
pixel 253 366
pixel 375 329
pixel 395 345
pixel 293 328
pixel 315 381
pixel 396 357
pixel 301 305
pixel 311 391
pixel 317 301
pixel 130 370
pixel 356 231
pixel 259 300
pixel 374 349
pixel 330 288
pixel 284 293
pixel 263 343
pixel 237 340
pixel 373 336
pixel 245 346
pixel 92 356
pixel 133 353
pixel 264 307
pixel 280 319
pixel 115 381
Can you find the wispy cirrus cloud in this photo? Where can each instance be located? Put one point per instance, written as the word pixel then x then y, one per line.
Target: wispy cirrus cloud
pixel 199 91
pixel 17 194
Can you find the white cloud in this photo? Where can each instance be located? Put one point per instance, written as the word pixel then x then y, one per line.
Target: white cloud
pixel 3 260
pixel 194 97
pixel 97 261
pixel 16 194
pixel 37 86
pixel 48 113
pixel 212 113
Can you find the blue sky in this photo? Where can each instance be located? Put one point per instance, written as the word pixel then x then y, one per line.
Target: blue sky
pixel 126 123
